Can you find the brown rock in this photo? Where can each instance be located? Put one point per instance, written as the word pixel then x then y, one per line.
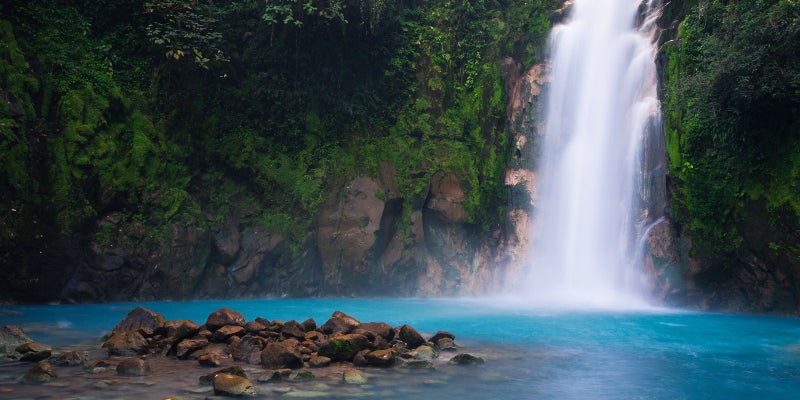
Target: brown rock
pixel 441 334
pixel 186 346
pixel 446 344
pixel 354 377
pixel 281 355
pixel 69 359
pixel 133 367
pixel 293 329
pixel 254 327
pixel 381 329
pixel 309 325
pixel 380 358
pixel 233 385
pixel 343 347
pixel 318 361
pixel 138 318
pixel 33 351
pixel 208 379
pixel 222 334
pixel 178 330
pixel 274 375
pixel 249 349
pixel 126 343
pixel 465 359
pixel 12 336
pixel 43 372
pixel 224 316
pixel 209 360
pixel 410 336
pixel 340 322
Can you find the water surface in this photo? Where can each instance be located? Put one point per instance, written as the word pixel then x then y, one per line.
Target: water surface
pixel 541 354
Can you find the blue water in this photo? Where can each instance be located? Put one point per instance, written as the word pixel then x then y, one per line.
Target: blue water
pixel 530 354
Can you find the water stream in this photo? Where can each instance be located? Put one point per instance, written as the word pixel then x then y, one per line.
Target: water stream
pixel 589 209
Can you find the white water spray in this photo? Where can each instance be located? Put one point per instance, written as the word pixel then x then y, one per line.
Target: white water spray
pixel 601 102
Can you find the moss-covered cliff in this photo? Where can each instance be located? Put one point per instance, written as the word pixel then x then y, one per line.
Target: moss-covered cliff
pixel 731 96
pixel 174 149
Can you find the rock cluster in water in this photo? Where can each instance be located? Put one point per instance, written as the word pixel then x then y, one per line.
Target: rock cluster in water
pixel 286 350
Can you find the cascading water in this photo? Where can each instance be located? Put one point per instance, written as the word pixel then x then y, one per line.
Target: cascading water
pixel 601 103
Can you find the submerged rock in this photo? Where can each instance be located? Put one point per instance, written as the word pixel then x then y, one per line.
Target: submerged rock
pixel 208 379
pixel 233 385
pixel 70 359
pixel 465 359
pixel 354 377
pixel 133 367
pixel 43 372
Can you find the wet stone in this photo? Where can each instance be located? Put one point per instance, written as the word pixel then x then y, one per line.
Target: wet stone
pixel 317 361
pixel 465 359
pixel 233 370
pixel 209 360
pixel 233 385
pixel 133 367
pixel 303 375
pixel 42 372
pixel 69 359
pixel 222 317
pixel 354 377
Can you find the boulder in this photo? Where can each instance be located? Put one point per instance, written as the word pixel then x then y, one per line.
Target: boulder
pixel 126 343
pixel 96 366
pixel 425 352
pixel 281 355
pixel 69 359
pixel 187 346
pixel 354 377
pixel 254 327
pixel 465 359
pixel 224 316
pixel 138 318
pixel 222 334
pixel 293 329
pixel 302 375
pixel 445 344
pixel 208 379
pixel 410 336
pixel 381 329
pixel 309 325
pixel 380 358
pixel 33 351
pixel 177 330
pixel 209 360
pixel 233 385
pixel 42 372
pixel 12 336
pixel 249 349
pixel 133 367
pixel 340 322
pixel 343 347
pixel 441 334
pixel 318 361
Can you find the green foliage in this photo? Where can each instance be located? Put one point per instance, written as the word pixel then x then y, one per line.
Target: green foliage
pixel 733 86
pixel 186 30
pixel 292 99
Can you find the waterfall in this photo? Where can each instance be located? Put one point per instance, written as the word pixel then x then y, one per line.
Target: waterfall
pixel 589 207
